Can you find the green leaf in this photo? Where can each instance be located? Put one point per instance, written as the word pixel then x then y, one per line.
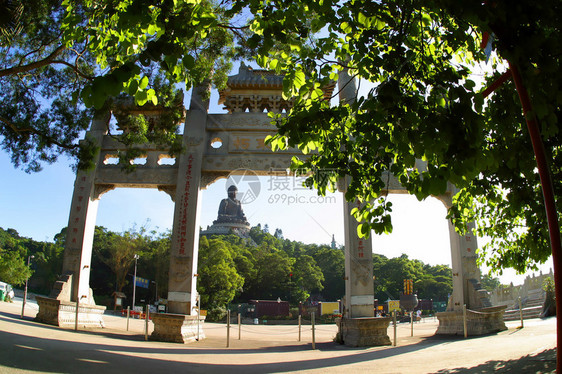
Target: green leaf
pixel 141 97
pixel 364 20
pixel 346 28
pixel 273 64
pixel 363 230
pixel 143 83
pixel 151 95
pixel 188 61
pixel 426 19
pixel 317 93
pixel 86 96
pixel 300 79
pixel 153 29
pixel 133 87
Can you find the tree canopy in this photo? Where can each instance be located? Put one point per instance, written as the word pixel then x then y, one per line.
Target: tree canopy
pixel 423 104
pixel 62 60
pixel 231 269
pixel 416 57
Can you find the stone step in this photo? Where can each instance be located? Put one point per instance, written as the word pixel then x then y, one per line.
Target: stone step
pixel 530 312
pixel 531 303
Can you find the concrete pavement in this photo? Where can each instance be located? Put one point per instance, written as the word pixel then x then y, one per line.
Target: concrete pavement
pixel 26 346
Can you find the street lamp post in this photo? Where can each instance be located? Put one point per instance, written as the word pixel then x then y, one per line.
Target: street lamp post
pixel 135 280
pixel 25 289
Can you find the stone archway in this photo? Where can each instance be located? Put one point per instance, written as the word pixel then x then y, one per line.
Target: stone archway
pixel 216 144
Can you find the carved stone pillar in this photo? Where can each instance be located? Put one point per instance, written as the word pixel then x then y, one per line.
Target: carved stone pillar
pixel 74 284
pixel 185 235
pixel 82 222
pixel 359 288
pixel 482 317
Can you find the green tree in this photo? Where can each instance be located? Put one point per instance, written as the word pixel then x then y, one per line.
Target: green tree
pixel 40 117
pixel 307 277
pixel 218 280
pixel 423 104
pixel 119 253
pixel 436 284
pixel 58 62
pixel 47 264
pixel 332 263
pixel 390 274
pixel 272 277
pixel 13 257
pixel 102 278
pixel 10 20
pixel 158 261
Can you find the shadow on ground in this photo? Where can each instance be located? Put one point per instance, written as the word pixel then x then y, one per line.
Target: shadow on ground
pixel 49 350
pixel 543 362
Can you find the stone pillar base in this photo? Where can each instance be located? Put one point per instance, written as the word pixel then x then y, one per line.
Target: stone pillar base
pixel 363 332
pixel 63 313
pixel 177 328
pixel 478 322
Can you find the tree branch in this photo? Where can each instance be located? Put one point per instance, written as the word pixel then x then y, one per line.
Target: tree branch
pixel 33 131
pixel 73 67
pixel 34 65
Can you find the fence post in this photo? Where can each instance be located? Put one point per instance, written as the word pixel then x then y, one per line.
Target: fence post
pixel 313 332
pixel 239 326
pixel 198 321
pixel 147 316
pixel 464 320
pixel 228 328
pixel 520 312
pixel 394 320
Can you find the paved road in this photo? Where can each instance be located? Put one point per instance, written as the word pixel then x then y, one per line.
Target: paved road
pixel 26 346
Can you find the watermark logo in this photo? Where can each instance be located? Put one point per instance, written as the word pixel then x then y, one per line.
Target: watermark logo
pixel 287 188
pixel 247 182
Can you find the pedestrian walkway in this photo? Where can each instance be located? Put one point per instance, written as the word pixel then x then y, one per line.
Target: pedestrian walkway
pixel 26 346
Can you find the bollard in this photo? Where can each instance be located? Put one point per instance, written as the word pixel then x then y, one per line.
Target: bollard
pixel 464 320
pixel 394 318
pixel 198 321
pixel 239 326
pixel 128 314
pixel 412 323
pixel 147 316
pixel 227 328
pixel 313 332
pixel 520 312
pixel 77 308
pixel 299 327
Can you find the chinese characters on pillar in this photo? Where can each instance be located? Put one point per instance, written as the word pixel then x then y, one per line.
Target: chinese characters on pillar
pixel 184 203
pixel 76 213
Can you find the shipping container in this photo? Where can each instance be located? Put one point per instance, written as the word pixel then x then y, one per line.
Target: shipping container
pixel 270 308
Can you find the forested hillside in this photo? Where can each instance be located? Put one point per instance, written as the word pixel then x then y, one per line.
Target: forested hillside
pixel 231 269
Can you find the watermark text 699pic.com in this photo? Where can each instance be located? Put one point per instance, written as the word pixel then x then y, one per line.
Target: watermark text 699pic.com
pixel 290 199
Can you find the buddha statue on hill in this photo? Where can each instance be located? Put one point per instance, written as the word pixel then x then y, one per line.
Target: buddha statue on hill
pixel 230 209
